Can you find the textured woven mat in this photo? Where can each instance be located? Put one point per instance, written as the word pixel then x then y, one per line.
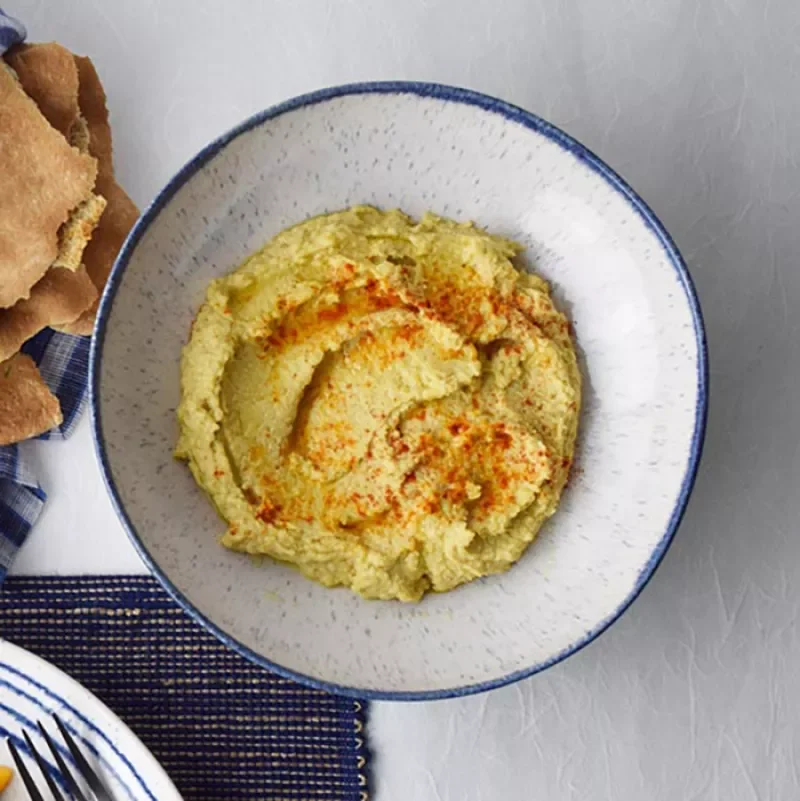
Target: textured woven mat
pixel 222 727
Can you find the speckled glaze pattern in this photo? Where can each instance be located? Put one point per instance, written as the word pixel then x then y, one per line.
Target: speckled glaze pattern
pixel 613 269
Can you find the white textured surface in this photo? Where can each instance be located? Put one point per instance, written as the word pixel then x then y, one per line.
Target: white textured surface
pixel 693 694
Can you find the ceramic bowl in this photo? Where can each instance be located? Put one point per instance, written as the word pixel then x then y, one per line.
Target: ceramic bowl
pixel 614 269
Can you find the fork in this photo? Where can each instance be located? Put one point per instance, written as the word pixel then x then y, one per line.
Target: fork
pixel 100 793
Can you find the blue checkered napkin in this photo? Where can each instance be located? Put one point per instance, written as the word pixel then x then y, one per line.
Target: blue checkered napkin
pixel 63 362
pixel 12 32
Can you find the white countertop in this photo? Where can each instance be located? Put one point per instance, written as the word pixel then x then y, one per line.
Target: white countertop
pixel 693 694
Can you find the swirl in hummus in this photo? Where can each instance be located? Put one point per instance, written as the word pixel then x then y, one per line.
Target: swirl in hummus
pixel 388 405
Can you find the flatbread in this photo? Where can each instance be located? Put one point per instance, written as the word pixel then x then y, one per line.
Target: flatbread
pixel 27 407
pixel 121 212
pixel 49 76
pixel 79 134
pixel 102 250
pixel 42 178
pixel 92 104
pixel 60 297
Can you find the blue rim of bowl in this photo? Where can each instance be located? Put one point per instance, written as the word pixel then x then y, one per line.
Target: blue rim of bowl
pixel 509 112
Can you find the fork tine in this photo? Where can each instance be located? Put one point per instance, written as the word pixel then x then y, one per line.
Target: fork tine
pixel 74 787
pixel 30 786
pixel 43 768
pixel 93 780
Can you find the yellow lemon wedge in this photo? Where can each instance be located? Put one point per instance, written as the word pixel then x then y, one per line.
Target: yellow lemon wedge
pixel 5 777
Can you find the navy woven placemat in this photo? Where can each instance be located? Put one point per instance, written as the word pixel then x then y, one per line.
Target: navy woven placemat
pixel 222 727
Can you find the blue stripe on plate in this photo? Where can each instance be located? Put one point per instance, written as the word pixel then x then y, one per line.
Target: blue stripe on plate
pixel 31 725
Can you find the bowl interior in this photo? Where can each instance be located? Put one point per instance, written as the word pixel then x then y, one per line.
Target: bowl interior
pixel 468 158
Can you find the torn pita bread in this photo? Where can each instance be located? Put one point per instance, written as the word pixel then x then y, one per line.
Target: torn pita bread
pixel 75 233
pixel 27 407
pixel 92 104
pixel 49 75
pixel 42 179
pixel 102 250
pixel 79 135
pixel 60 297
pixel 120 213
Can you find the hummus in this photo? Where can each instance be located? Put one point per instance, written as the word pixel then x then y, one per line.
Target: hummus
pixel 388 405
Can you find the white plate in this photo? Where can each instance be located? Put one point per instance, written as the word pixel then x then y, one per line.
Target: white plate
pixel 32 689
pixel 614 270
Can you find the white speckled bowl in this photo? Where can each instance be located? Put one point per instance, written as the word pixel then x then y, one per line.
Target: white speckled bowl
pixel 614 269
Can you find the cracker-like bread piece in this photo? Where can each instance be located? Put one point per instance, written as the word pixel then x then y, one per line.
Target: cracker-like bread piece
pixel 49 75
pixel 120 213
pixel 42 179
pixel 60 297
pixel 27 407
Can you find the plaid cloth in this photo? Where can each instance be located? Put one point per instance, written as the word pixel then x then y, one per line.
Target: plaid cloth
pixel 12 31
pixel 64 363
